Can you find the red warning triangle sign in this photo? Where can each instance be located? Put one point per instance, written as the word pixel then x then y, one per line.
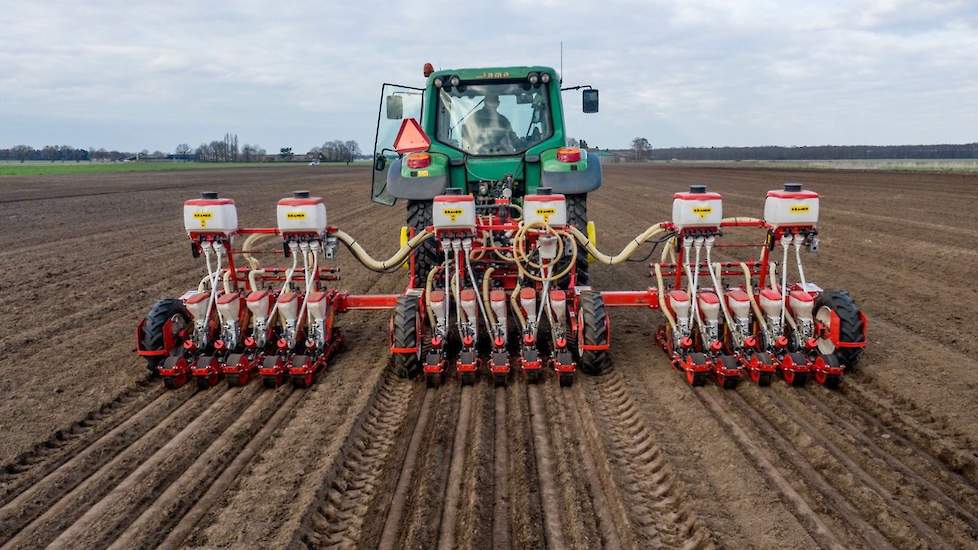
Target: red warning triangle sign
pixel 411 138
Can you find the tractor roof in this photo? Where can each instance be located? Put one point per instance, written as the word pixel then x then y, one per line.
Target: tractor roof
pixel 487 73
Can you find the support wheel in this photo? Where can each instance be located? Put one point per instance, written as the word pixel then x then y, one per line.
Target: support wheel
pixel 850 325
pixel 405 330
pixel 170 383
pixel 165 315
pixel 728 382
pixel 594 322
pixel 203 382
pixel 425 256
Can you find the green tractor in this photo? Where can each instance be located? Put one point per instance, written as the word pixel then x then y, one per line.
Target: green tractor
pixel 494 132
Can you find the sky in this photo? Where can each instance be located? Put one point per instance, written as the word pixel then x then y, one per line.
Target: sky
pixel 131 75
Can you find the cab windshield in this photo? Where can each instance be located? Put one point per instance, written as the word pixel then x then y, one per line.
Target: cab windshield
pixel 501 118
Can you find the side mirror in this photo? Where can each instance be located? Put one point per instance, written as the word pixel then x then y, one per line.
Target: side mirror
pixel 589 100
pixel 380 162
pixel 395 107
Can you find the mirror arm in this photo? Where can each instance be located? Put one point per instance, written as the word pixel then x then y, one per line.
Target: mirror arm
pixel 582 86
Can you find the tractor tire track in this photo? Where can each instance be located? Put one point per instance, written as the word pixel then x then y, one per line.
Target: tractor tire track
pixel 61 509
pixel 33 465
pixel 338 518
pixel 141 488
pixel 653 506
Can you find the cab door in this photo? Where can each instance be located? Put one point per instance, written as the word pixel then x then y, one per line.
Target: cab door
pixel 397 103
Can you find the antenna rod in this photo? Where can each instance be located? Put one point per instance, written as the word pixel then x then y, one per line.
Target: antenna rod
pixel 561 61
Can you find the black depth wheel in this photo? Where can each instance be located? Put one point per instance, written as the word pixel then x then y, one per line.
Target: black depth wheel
pixel 152 337
pixel 850 325
pixel 594 318
pixel 405 329
pixel 425 256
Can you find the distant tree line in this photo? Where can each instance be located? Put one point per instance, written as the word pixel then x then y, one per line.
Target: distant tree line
pixel 642 150
pixel 336 151
pixel 63 153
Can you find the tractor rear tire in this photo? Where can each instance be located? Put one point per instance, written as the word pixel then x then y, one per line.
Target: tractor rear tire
pixel 419 216
pixel 594 320
pixel 405 332
pixel 850 324
pixel 577 217
pixel 152 337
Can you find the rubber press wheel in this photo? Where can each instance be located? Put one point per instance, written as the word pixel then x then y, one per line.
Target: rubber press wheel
pixel 152 337
pixel 850 325
pixel 419 216
pixel 404 329
pixel 594 322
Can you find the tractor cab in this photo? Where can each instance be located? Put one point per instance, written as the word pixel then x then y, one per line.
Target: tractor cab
pixel 490 132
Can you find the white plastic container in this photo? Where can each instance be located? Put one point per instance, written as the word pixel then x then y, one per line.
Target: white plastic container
pixel 210 215
pixel 260 304
pixel 229 306
pixel 301 214
pixel 771 301
pixel 791 206
pixel 454 212
pixel 288 307
pixel 697 208
pixel 802 304
pixel 709 306
pixel 545 208
pixel 197 305
pixel 316 306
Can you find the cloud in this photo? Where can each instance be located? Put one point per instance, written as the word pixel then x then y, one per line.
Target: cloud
pixel 132 75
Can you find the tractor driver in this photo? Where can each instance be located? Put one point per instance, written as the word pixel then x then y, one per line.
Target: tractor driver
pixel 488 131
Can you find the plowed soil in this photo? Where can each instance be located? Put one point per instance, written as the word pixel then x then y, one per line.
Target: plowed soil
pixel 95 455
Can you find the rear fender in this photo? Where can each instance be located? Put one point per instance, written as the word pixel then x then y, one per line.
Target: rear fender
pixel 422 184
pixel 570 178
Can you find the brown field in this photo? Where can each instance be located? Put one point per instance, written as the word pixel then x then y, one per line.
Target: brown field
pixel 95 455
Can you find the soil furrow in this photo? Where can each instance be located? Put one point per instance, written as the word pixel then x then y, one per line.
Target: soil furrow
pixel 872 498
pixel 142 487
pixel 73 504
pixel 181 531
pixel 500 472
pixel 765 460
pixel 168 508
pixel 33 465
pixel 46 491
pixel 453 485
pixel 546 465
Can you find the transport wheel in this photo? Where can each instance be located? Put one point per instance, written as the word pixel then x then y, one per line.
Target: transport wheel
pixel 724 381
pixel 152 337
pixel 404 328
pixel 829 381
pixel 594 320
pixel 425 256
pixel 850 325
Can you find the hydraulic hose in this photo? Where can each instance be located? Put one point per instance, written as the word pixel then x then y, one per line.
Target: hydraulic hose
pixel 662 297
pixel 383 266
pixel 428 285
pixel 514 301
pixel 522 256
pixel 749 286
pixel 486 303
pixel 625 253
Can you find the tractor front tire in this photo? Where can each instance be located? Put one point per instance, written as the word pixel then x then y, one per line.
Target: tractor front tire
pixel 595 323
pixel 850 324
pixel 404 326
pixel 152 337
pixel 419 217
